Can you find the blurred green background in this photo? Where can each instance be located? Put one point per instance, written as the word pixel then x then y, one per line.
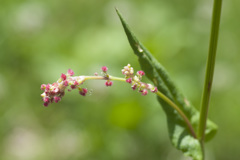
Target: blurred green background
pixel 40 39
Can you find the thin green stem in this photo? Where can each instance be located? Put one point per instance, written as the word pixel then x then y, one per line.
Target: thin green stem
pixel 174 106
pixel 103 78
pixel 216 14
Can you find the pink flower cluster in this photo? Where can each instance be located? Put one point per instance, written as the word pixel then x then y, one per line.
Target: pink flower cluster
pixel 54 92
pixel 135 80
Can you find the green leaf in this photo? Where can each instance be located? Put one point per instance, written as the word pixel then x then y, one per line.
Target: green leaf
pixel 179 133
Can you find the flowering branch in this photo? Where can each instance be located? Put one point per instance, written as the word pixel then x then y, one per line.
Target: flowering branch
pixel 54 92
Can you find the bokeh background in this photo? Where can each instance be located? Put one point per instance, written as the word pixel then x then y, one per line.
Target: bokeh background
pixel 40 39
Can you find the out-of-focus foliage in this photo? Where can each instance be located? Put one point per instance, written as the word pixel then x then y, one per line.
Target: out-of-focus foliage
pixel 39 40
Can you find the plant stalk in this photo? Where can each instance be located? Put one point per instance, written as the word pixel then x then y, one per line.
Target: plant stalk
pixel 216 14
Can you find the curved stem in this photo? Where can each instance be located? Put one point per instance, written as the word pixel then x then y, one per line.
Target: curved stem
pixel 174 106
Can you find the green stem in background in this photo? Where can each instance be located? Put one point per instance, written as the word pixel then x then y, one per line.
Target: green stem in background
pixel 174 106
pixel 216 14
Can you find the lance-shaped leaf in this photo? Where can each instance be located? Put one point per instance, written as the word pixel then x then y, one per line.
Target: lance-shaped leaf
pixel 179 133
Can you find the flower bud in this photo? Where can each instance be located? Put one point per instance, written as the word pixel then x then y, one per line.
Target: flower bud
pixel 140 73
pixel 56 99
pixel 64 77
pixel 65 83
pixel 70 72
pixel 45 104
pixel 108 83
pixel 154 90
pixel 83 91
pixel 47 87
pixel 134 87
pixel 43 87
pixel 104 69
pixel 46 99
pixel 129 80
pixel 144 92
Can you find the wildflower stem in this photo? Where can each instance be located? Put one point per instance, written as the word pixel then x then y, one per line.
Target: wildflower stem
pixel 216 14
pixel 174 106
pixel 104 78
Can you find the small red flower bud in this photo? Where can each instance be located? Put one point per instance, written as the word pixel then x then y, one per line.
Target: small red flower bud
pixel 134 86
pixel 108 83
pixel 70 72
pixel 104 69
pixel 64 77
pixel 83 91
pixel 129 80
pixel 76 83
pixel 65 83
pixel 144 92
pixel 154 90
pixel 45 104
pixel 141 73
pixel 73 86
pixel 46 99
pixel 56 99
pixel 43 86
pixel 62 94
